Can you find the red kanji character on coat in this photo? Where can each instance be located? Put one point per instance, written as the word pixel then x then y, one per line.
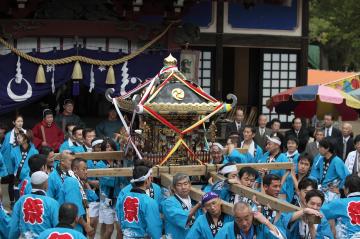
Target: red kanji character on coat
pixel 33 210
pixel 354 212
pixel 57 235
pixel 131 209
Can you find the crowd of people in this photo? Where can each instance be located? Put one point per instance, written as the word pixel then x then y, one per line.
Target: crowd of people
pixel 52 197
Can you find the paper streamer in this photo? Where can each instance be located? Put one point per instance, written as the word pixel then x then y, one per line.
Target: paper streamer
pixel 126 128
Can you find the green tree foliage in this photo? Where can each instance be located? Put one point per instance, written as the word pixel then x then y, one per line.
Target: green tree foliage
pixel 334 25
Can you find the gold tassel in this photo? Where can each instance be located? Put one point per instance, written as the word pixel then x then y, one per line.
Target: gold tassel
pixel 40 75
pixel 110 77
pixel 77 72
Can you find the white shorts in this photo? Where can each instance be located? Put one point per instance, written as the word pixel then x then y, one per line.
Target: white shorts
pixel 94 209
pixel 107 214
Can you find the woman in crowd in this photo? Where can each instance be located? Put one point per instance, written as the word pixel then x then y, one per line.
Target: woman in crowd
pixel 8 144
pixel 20 156
pixel 109 189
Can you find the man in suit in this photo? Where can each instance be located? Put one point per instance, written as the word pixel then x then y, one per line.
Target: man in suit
pixel 237 125
pixel 261 132
pixel 275 131
pixel 331 133
pixel 312 148
pixel 298 131
pixel 346 144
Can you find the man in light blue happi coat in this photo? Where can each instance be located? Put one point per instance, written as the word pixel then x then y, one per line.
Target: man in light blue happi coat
pixel 330 171
pixel 179 210
pixel 254 152
pixel 34 212
pixel 139 214
pixel 299 224
pixel 76 190
pixel 206 226
pixel 67 221
pixel 346 210
pixel 249 225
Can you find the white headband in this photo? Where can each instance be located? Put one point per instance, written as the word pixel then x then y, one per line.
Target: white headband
pixel 39 177
pixel 274 140
pixel 228 169
pixel 96 142
pixel 142 178
pixel 217 145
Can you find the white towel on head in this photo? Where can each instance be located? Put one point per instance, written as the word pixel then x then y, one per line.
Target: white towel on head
pixel 12 135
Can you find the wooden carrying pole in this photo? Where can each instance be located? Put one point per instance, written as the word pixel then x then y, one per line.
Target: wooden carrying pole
pixel 191 170
pixel 265 199
pixel 195 194
pixel 262 198
pixel 165 173
pixel 111 155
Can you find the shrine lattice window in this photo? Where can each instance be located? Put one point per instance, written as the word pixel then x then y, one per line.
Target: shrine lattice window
pixel 205 71
pixel 279 73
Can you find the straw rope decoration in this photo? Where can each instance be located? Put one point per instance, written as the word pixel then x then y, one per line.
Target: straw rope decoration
pixel 84 59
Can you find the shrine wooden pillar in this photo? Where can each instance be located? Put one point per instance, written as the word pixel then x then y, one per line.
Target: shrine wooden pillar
pixel 219 53
pixel 304 43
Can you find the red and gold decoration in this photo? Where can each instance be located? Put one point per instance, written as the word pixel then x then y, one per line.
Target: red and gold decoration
pixel 181 106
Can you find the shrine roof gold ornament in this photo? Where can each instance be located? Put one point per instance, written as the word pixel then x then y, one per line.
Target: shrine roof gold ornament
pixel 170 61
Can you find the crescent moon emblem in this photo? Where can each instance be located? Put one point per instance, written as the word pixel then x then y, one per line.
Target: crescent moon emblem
pixel 19 98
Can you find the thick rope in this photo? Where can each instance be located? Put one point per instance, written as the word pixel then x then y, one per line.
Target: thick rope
pixel 83 58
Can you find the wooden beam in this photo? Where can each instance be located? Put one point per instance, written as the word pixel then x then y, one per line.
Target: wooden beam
pixel 166 180
pixel 191 170
pixel 268 166
pixel 219 49
pixel 195 194
pixel 262 198
pixel 265 199
pixel 19 28
pixel 112 155
pixel 242 150
pixel 110 172
pixel 303 61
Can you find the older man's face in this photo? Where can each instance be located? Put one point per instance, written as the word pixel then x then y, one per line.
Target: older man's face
pixel 213 206
pixel 346 130
pixel 273 147
pixel 297 124
pixel 216 154
pixel 262 121
pixel 328 121
pixel 244 219
pixel 239 116
pixel 183 187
